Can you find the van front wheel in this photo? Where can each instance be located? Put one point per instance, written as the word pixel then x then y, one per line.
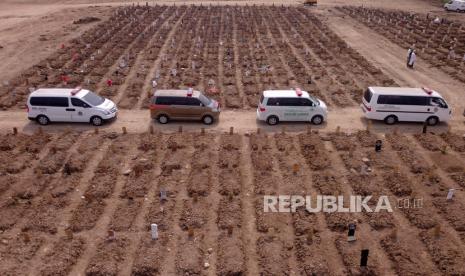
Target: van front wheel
pixel 390 120
pixel 96 121
pixel 207 119
pixel 317 120
pixel 42 120
pixel 432 121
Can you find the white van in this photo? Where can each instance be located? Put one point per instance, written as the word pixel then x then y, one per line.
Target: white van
pixel 69 105
pixel 394 104
pixel 290 105
pixel 455 5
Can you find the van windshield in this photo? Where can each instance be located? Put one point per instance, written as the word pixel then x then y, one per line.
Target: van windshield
pixel 315 100
pixel 93 99
pixel 206 101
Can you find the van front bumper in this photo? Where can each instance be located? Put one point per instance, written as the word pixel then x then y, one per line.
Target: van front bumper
pixel 110 117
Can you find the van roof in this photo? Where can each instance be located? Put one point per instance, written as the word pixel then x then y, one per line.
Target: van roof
pixel 57 92
pixel 176 93
pixel 284 93
pixel 403 91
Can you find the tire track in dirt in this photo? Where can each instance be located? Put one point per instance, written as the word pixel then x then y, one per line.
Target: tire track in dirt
pixel 335 176
pixel 170 61
pixel 138 68
pixel 212 231
pixel 12 148
pixel 53 259
pixel 25 226
pixel 115 72
pixel 34 220
pixel 151 150
pixel 368 238
pixel 292 44
pixel 441 166
pixel 262 34
pixel 156 65
pixel 237 66
pixel 108 196
pixel 356 65
pixel 229 223
pixel 356 151
pixel 250 238
pixel 275 246
pixel 176 187
pixel 292 154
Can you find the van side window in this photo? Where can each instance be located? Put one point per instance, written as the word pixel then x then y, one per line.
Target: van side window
pixel 162 100
pixel 49 101
pixel 305 102
pixel 272 102
pixel 193 102
pixel 289 101
pixel 403 100
pixel 170 100
pixel 78 102
pixel 178 101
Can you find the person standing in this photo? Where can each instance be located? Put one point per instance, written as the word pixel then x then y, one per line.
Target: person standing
pixel 409 53
pixel 411 59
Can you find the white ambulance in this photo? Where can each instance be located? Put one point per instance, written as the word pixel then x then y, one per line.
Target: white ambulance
pixel 455 5
pixel 290 105
pixel 47 105
pixel 395 104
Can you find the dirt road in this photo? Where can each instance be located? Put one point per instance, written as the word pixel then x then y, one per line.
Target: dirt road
pixel 347 119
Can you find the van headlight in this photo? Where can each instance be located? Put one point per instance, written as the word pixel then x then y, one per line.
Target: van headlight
pixel 106 112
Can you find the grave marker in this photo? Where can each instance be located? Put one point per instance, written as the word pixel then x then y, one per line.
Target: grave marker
pixel 351 233
pixel 154 230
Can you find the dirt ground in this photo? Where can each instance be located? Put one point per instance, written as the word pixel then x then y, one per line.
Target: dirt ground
pixel 75 200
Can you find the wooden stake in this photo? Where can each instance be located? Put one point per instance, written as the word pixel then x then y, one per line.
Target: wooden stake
pixel 202 131
pixel 258 130
pixel 437 231
pixel 125 131
pixel 310 236
pixel 180 129
pixel 231 130
pixel 15 131
pixel 283 130
pixel 230 230
pixel 151 129
pixel 190 232
pixel 96 130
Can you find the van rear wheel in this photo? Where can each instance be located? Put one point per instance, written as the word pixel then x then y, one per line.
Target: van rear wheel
pixel 163 119
pixel 272 120
pixel 432 121
pixel 390 120
pixel 96 121
pixel 42 120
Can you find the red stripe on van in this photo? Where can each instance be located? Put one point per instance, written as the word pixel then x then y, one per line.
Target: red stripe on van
pixel 158 106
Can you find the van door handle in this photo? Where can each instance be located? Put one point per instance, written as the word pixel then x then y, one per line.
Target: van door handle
pixel 429 109
pixel 70 109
